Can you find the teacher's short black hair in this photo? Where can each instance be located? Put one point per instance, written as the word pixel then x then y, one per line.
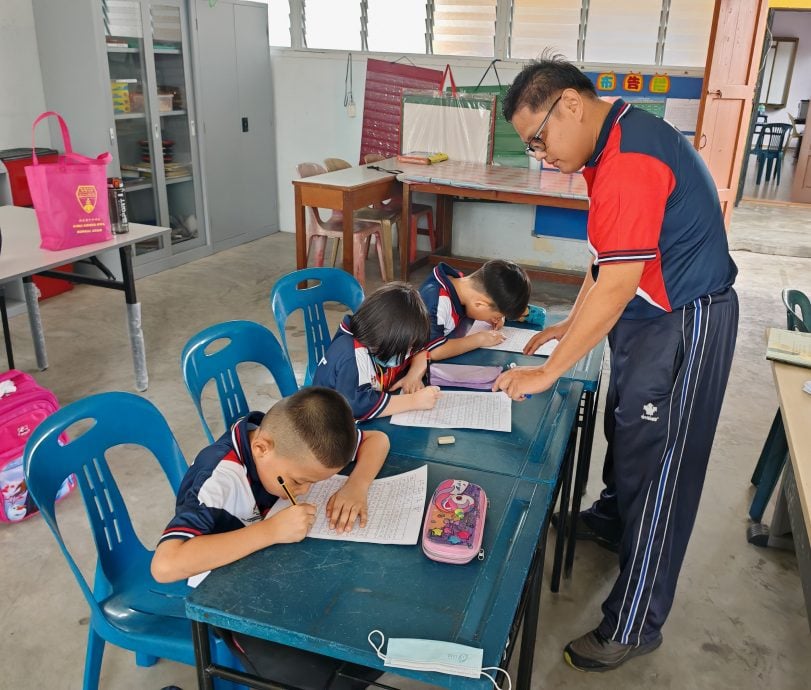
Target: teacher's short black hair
pixel 542 80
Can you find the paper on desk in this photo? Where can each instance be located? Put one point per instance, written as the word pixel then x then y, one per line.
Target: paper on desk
pixel 462 410
pixel 682 113
pixel 517 338
pixel 195 580
pixel 395 508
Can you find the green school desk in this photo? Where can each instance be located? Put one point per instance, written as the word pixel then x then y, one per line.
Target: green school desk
pixel 326 596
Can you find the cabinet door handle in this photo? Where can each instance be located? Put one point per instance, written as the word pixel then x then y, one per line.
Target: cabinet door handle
pixel 157 129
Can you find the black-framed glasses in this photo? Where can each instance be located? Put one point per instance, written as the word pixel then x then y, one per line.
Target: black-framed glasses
pixel 540 147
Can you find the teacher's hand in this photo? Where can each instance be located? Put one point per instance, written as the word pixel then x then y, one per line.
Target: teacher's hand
pixel 523 381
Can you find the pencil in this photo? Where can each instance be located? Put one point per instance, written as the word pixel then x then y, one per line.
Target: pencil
pixel 286 490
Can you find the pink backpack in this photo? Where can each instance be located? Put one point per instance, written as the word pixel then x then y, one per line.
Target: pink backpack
pixel 23 405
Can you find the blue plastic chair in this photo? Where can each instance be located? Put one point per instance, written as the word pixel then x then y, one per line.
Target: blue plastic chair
pixel 331 285
pixel 774 454
pixel 242 341
pixel 769 149
pixel 128 607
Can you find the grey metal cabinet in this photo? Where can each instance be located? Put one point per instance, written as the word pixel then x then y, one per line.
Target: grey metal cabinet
pixel 129 78
pixel 234 88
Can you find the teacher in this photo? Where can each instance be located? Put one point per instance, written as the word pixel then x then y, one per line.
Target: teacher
pixel 659 284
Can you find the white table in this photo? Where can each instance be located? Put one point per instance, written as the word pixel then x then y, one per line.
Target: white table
pixel 21 257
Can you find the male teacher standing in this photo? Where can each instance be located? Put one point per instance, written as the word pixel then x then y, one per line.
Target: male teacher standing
pixel 660 286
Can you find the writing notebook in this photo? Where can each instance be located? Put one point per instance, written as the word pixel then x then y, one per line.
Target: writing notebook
pixel 516 340
pixel 395 509
pixel 462 410
pixel 791 347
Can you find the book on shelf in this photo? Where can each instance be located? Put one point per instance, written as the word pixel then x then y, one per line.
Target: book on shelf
pixel 422 157
pixel 791 347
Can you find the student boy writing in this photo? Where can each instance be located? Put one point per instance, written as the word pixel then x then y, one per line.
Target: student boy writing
pixel 497 291
pixel 305 438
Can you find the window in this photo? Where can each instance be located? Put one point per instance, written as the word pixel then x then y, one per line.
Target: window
pixel 623 31
pixel 464 27
pixel 396 26
pixel 688 32
pixel 333 24
pixel 540 24
pixel 279 22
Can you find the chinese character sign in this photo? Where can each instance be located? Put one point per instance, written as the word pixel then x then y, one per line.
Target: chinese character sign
pixel 606 81
pixel 632 82
pixel 659 83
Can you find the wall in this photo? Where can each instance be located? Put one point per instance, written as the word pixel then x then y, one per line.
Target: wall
pixel 21 94
pixel 788 24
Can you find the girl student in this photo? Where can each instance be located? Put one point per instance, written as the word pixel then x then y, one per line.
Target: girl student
pixel 372 356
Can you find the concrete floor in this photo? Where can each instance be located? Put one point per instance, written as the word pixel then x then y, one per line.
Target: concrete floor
pixel 739 618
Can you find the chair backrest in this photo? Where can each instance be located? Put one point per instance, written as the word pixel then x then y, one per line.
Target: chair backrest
pixel 333 164
pixel 215 352
pixel 373 158
pixel 794 301
pixel 773 137
pixel 314 219
pixel 116 418
pixel 330 285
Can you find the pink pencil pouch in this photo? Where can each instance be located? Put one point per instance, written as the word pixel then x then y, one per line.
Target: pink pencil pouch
pixel 454 522
pixel 464 375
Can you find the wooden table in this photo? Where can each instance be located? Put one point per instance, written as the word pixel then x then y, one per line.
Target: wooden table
pixel 457 179
pixel 22 258
pixel 347 191
pixel 795 494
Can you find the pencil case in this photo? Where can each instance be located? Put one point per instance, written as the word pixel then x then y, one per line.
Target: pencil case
pixel 464 375
pixel 454 523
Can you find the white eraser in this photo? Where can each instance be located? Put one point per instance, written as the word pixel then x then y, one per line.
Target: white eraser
pixel 445 440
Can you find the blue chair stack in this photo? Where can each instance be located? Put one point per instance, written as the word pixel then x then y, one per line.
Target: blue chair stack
pixel 771 143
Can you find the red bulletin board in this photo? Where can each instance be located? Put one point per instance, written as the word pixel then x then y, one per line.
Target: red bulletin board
pixel 385 82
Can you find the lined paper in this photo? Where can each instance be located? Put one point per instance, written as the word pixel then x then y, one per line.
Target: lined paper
pixel 516 340
pixel 462 410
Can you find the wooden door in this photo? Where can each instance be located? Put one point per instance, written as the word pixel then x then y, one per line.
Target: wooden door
pixel 801 189
pixel 733 61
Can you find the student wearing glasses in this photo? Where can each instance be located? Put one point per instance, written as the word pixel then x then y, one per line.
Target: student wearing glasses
pixel 659 285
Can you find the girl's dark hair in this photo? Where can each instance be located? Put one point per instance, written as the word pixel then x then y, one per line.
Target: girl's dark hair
pixel 542 80
pixel 392 321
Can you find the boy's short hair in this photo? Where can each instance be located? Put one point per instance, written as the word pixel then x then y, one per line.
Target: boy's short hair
pixel 392 321
pixel 542 80
pixel 506 284
pixel 319 419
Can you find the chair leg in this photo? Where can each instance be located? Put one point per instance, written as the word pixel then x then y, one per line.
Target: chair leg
pixel 92 660
pixel 319 245
pixel 336 246
pixel 145 660
pixel 759 169
pixel 770 465
pixel 429 217
pixel 359 255
pixel 779 165
pixel 384 251
pixel 412 240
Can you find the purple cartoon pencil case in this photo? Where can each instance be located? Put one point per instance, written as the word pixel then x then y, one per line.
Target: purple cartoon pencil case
pixel 464 375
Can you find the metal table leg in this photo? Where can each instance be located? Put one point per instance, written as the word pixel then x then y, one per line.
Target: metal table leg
pixel 566 486
pixel 6 330
pixel 134 320
pixel 34 319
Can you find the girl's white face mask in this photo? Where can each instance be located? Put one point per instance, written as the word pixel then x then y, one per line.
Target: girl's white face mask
pixel 434 655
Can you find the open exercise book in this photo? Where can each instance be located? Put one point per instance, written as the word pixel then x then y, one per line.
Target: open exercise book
pixel 517 338
pixel 396 506
pixel 462 410
pixel 792 347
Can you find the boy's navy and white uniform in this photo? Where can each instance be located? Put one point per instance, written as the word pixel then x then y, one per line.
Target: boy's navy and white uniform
pixel 653 200
pixel 348 368
pixel 221 491
pixel 444 308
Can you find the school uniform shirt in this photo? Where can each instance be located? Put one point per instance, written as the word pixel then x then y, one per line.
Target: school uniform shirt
pixel 652 199
pixel 221 491
pixel 348 368
pixel 444 307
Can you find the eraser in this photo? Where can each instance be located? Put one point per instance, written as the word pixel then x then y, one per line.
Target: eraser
pixel 445 440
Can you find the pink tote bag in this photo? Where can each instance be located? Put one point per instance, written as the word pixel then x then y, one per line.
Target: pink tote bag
pixel 70 196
